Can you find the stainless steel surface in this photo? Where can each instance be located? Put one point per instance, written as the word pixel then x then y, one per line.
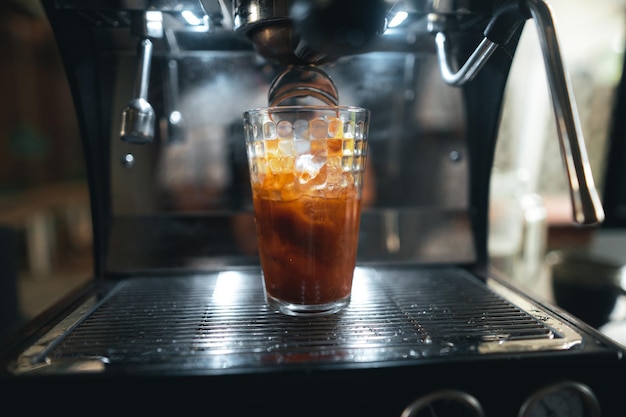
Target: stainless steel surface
pixel 251 13
pixel 174 185
pixel 221 240
pixel 270 28
pixel 586 204
pixel 219 321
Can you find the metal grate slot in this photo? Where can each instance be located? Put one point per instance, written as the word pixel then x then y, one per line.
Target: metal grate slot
pixel 220 321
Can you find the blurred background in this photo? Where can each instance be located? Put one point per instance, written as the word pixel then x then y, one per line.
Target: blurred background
pixel 45 229
pixel 44 207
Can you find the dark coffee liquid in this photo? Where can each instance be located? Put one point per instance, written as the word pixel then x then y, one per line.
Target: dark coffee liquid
pixel 308 246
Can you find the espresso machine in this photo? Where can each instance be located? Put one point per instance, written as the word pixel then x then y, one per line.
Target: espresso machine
pixel 175 311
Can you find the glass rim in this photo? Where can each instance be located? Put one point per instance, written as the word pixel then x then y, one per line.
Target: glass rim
pixel 292 108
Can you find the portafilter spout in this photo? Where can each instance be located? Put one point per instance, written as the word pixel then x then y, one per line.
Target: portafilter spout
pixel 138 116
pixel 586 203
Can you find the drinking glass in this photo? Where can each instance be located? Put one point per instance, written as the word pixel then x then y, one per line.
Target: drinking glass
pixel 307 166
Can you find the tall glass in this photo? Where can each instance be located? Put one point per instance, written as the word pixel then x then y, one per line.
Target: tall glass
pixel 307 166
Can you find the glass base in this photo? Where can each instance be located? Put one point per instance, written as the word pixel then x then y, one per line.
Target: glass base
pixel 307 310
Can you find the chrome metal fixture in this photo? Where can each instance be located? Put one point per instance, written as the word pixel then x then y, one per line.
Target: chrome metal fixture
pixel 138 117
pixel 586 204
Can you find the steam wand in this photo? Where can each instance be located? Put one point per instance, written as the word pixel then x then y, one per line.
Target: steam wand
pixel 586 204
pixel 138 116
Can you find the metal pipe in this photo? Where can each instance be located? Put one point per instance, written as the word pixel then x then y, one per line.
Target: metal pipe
pixel 586 204
pixel 471 67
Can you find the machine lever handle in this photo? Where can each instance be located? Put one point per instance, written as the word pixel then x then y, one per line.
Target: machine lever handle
pixel 586 204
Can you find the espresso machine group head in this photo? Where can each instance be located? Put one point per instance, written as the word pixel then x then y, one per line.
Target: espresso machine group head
pixel 309 32
pixel 301 35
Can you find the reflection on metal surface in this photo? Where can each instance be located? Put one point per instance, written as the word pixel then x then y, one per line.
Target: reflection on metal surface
pixel 392 240
pixel 219 321
pixel 33 359
pixel 567 336
pixel 215 241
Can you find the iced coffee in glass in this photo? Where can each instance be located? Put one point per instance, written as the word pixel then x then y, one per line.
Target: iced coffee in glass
pixel 307 167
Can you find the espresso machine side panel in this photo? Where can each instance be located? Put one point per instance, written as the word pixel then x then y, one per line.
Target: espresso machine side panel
pixel 87 73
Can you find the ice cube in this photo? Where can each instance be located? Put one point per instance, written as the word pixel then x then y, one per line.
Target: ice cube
pixel 309 167
pixel 302 146
pixel 301 128
pixel 286 148
pixel 335 176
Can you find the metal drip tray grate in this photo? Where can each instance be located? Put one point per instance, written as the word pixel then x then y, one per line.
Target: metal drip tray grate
pixel 220 321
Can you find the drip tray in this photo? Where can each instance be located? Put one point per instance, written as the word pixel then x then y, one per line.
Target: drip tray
pixel 218 322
